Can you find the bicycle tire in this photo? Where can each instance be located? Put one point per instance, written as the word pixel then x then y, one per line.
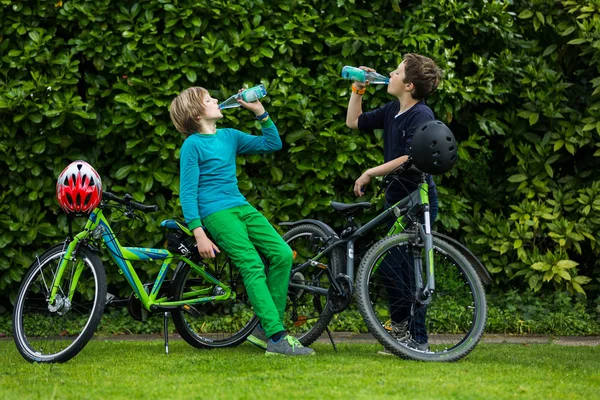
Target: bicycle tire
pixel 43 333
pixel 457 288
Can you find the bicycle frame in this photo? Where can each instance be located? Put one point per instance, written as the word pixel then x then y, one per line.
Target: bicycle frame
pixel 98 227
pixel 404 210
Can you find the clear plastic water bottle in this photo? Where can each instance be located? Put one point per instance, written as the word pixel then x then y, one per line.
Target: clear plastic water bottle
pixel 360 75
pixel 249 95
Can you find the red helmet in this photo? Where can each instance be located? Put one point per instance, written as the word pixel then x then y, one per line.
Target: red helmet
pixel 79 188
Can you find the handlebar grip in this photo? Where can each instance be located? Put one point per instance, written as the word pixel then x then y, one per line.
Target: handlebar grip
pixel 128 200
pixel 143 207
pixel 110 196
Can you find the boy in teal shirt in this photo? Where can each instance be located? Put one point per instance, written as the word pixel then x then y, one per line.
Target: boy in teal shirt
pixel 210 196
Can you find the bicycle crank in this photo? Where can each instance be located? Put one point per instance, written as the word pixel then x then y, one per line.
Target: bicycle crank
pixel 338 301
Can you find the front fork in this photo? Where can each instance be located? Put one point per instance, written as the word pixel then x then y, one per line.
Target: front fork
pixel 422 246
pixel 69 255
pixel 424 293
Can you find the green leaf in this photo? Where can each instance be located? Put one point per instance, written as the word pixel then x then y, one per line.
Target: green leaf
pixel 540 266
pixel 564 274
pixel 123 171
pixel 517 178
pixel 533 118
pixel 526 14
pixel 276 173
pixel 38 147
pixel 566 264
pixel 265 51
pixel 191 76
pixel 582 280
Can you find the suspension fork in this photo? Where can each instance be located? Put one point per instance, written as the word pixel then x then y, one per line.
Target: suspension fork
pixel 68 256
pixel 424 232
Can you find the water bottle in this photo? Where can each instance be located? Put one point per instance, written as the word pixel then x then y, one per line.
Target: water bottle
pixel 357 74
pixel 248 95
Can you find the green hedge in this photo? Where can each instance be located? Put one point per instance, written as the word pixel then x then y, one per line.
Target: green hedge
pixel 93 80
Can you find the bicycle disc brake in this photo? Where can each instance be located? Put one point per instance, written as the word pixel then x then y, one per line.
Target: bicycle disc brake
pixel 339 301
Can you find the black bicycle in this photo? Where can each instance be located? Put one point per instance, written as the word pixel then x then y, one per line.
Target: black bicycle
pixel 419 292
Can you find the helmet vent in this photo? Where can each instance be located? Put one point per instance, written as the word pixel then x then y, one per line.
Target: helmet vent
pixel 433 143
pixel 448 139
pixel 451 148
pixel 435 154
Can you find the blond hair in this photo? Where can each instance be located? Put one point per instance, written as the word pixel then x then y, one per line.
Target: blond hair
pixel 185 109
pixel 422 72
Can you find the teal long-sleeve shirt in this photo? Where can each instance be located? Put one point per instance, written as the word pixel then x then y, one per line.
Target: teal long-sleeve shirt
pixel 208 182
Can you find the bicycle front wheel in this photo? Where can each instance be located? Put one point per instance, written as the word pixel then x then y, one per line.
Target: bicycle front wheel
pixel 54 332
pixel 213 324
pixel 445 327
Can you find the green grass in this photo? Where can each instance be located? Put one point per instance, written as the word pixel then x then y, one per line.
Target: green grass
pixel 136 370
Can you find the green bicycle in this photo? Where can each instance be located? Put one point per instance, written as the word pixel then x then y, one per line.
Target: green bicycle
pixel 62 298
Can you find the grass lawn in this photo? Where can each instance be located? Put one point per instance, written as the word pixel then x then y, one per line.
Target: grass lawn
pixel 136 370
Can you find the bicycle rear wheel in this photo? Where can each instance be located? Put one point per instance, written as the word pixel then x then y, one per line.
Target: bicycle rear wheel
pixel 53 333
pixel 213 324
pixel 307 313
pixel 446 328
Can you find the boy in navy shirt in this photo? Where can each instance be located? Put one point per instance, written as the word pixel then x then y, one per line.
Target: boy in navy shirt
pixel 411 83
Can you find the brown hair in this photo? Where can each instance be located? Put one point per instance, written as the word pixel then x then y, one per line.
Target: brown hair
pixel 422 72
pixel 186 107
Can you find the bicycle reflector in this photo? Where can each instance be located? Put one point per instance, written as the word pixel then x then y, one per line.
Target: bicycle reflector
pixel 79 188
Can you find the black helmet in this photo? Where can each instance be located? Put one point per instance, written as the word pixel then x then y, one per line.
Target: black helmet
pixel 434 148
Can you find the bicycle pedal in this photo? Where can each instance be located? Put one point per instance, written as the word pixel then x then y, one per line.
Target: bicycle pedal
pixel 191 310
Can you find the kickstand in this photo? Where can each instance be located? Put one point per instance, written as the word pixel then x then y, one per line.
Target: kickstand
pixel 166 332
pixel 331 338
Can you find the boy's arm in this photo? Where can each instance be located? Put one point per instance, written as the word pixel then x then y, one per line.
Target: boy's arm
pixel 267 143
pixel 380 170
pixel 188 196
pixel 188 184
pixel 354 110
pixel 355 103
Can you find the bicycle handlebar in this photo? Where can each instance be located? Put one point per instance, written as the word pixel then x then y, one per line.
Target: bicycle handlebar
pixel 128 201
pixel 406 166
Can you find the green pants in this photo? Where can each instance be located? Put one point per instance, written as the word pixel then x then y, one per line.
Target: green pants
pixel 240 232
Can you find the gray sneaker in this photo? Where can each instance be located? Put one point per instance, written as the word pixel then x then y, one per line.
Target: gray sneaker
pixel 287 346
pixel 258 337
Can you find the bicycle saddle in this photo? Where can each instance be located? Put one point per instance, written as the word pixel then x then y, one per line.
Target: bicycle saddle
pixel 349 209
pixel 173 224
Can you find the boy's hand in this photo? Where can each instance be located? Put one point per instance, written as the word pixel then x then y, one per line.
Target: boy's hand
pixel 362 85
pixel 206 247
pixel 256 106
pixel 361 182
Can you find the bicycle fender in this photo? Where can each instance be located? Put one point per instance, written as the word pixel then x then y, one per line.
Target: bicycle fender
pixel 320 224
pixel 481 270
